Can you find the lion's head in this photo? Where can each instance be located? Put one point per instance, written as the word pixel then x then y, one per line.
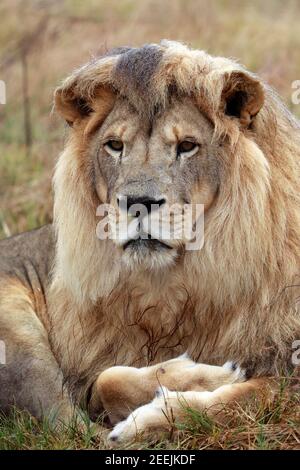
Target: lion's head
pixel 163 125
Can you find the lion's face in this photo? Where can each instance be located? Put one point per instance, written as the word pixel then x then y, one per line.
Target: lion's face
pixel 165 164
pixel 160 128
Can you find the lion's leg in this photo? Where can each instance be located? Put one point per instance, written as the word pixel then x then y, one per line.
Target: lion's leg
pixel 30 377
pixel 168 407
pixel 121 390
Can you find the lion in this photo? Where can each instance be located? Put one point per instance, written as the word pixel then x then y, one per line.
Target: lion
pixel 100 324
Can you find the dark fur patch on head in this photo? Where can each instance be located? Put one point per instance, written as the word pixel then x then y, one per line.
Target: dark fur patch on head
pixel 133 75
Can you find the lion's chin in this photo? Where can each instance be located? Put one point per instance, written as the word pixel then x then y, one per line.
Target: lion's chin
pixel 148 254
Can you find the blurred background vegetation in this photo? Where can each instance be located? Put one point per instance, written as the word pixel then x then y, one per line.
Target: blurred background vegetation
pixel 41 41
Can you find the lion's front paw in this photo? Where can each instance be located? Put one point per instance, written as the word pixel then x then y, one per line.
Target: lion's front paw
pixel 168 406
pixel 136 423
pixel 150 417
pixel 158 416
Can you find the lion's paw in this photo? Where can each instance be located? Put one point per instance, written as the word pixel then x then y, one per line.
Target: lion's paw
pixel 134 425
pixel 143 419
pixel 158 416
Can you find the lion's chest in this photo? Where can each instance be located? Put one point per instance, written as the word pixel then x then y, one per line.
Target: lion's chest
pixel 142 330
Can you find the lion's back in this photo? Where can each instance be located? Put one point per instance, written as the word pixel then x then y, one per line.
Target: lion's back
pixel 29 251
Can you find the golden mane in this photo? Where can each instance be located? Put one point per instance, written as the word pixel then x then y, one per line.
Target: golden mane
pixel 245 278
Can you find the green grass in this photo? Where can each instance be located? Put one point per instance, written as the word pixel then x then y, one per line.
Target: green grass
pixel 25 189
pixel 22 431
pixel 17 167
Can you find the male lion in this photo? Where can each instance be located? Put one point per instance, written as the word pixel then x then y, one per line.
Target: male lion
pixel 160 124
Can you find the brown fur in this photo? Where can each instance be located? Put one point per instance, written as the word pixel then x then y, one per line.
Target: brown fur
pixel 121 390
pixel 234 299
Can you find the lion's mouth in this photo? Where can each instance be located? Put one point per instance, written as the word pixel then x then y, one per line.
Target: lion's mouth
pixel 152 244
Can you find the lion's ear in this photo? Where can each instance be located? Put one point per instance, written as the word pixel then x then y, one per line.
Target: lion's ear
pixel 73 108
pixel 70 106
pixel 242 97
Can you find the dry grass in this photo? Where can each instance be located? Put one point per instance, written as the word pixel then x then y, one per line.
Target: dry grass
pixel 262 35
pixel 261 425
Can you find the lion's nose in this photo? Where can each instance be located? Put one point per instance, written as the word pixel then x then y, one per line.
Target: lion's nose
pixel 151 204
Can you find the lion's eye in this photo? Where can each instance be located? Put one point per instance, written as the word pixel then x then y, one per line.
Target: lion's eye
pixel 115 145
pixel 186 146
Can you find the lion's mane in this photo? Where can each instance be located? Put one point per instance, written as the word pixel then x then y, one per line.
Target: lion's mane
pixel 234 299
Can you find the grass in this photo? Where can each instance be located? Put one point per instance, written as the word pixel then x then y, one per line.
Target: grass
pixel 25 190
pixel 22 431
pixel 259 425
